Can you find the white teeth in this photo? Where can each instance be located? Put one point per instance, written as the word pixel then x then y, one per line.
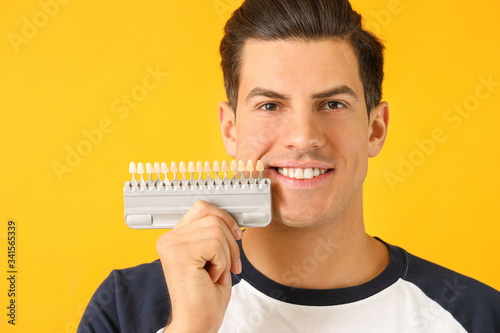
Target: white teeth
pixel 308 173
pixel 300 173
pixel 316 172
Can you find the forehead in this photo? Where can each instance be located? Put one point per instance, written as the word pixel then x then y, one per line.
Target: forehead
pixel 298 67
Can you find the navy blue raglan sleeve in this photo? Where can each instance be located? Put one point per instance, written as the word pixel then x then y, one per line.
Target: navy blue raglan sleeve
pixel 131 300
pixel 475 305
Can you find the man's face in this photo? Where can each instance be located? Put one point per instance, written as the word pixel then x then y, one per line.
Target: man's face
pixel 301 110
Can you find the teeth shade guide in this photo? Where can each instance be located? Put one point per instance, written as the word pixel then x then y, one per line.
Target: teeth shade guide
pixel 244 170
pixel 157 204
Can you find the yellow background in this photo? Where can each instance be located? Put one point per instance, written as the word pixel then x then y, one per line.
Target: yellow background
pixel 64 79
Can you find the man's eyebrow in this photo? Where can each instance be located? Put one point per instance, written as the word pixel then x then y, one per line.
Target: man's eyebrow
pixel 340 90
pixel 266 93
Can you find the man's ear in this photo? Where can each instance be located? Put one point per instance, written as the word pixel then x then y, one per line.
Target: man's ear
pixel 377 132
pixel 227 120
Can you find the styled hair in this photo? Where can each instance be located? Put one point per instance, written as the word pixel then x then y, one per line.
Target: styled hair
pixel 304 20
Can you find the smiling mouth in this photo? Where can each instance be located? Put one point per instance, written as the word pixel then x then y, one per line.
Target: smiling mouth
pixel 301 173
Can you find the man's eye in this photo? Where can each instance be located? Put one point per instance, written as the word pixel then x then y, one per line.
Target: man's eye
pixel 333 105
pixel 269 107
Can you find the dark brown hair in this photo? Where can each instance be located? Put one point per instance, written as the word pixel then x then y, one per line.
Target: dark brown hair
pixel 312 20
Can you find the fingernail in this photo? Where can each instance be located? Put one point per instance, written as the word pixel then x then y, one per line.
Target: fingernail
pixel 237 231
pixel 238 266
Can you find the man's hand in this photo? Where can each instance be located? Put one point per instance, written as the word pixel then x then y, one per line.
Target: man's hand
pixel 197 257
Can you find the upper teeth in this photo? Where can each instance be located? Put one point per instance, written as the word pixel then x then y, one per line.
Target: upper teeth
pixel 301 173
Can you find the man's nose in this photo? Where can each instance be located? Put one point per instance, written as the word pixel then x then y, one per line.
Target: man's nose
pixel 303 131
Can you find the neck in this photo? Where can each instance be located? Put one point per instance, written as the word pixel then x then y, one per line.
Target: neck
pixel 334 255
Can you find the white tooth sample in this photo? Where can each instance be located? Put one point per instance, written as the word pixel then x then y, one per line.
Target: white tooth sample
pixel 260 166
pixel 322 171
pixel 157 171
pixel 149 168
pixel 285 172
pixel 316 172
pixel 132 168
pixel 191 167
pixel 216 167
pixel 249 166
pixel 207 168
pixel 234 166
pixel 157 167
pixel 182 167
pixel 140 168
pixel 299 173
pixel 164 168
pixel 291 173
pixel 308 173
pixel 241 166
pixel 199 167
pixel 173 167
pixel 174 170
pixel 140 171
pixel 224 167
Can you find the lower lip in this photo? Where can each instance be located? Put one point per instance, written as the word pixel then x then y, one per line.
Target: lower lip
pixel 299 183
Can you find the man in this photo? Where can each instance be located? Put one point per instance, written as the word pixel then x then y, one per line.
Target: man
pixel 303 81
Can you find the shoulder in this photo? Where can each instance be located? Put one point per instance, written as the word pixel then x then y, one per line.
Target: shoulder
pixel 474 304
pixel 129 300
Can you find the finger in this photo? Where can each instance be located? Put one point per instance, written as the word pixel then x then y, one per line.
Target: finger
pixel 215 229
pixel 216 255
pixel 202 208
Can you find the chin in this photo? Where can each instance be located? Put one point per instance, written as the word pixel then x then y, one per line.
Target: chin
pixel 299 219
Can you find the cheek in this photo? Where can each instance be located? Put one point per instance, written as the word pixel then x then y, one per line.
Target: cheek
pixel 255 137
pixel 351 142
